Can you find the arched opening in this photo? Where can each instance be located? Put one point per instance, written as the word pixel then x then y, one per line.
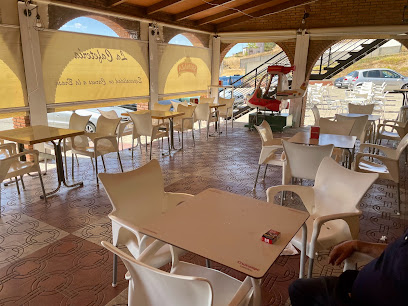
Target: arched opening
pixel 180 39
pixel 96 25
pixel 359 71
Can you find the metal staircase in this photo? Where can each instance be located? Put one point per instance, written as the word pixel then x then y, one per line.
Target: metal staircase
pixel 342 55
pixel 246 85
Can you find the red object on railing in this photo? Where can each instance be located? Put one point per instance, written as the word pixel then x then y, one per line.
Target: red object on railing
pixel 314 132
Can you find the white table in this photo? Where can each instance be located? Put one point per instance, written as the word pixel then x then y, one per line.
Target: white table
pixel 227 228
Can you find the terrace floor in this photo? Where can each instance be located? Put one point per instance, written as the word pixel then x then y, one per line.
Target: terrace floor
pixel 51 254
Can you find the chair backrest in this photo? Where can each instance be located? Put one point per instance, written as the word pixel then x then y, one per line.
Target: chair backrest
pixel 229 103
pixel 361 109
pixel 265 131
pixel 106 126
pixel 109 114
pixel 359 125
pixel 136 195
pixel 202 111
pixel 333 127
pixel 403 114
pixel 142 123
pixel 338 189
pixel 206 100
pixel 161 107
pixel 316 115
pixel 303 161
pixel 402 145
pixel 78 122
pixel 188 113
pixel 151 286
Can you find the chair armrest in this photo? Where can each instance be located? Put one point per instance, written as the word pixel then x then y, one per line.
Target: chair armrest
pixel 173 199
pixel 352 260
pixel 386 160
pixel 111 138
pixel 305 193
pixel 386 150
pixel 34 153
pixel 352 219
pixel 10 147
pixel 243 293
pixel 149 251
pixel 126 224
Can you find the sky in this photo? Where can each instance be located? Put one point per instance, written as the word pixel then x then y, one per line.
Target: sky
pixel 88 25
pixel 235 49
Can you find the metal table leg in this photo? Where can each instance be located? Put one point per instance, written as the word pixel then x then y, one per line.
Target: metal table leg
pixel 60 170
pixel 303 251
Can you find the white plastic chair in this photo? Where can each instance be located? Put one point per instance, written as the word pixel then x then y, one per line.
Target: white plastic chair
pixel 17 168
pixel 204 100
pixel 389 166
pixel 163 108
pixel 5 163
pixel 136 196
pixel 226 111
pixel 361 109
pixel 143 126
pixel 125 128
pixel 362 129
pixel 104 140
pixel 397 128
pixel 332 204
pixel 270 146
pixel 203 113
pixel 76 122
pixel 195 285
pixel 334 127
pixel 302 161
pixel 185 122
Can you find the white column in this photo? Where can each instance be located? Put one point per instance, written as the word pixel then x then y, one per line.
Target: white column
pixel 32 65
pixel 299 75
pixel 215 64
pixel 153 67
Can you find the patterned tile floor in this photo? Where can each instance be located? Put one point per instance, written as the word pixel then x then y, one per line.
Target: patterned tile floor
pixel 51 254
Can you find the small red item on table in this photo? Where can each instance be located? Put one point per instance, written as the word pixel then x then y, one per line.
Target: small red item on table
pixel 314 132
pixel 270 236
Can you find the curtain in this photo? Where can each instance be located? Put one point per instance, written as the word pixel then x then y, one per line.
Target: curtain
pixel 82 70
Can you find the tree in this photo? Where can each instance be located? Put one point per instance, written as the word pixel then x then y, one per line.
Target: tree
pixel 269 46
pixel 251 45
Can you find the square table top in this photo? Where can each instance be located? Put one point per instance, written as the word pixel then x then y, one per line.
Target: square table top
pixel 214 105
pixel 157 114
pixel 339 141
pixel 227 228
pixel 370 117
pixel 36 134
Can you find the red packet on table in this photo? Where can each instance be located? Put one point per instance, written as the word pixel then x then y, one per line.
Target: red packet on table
pixel 270 236
pixel 314 132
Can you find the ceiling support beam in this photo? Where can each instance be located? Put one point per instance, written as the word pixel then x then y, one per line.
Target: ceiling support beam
pixel 232 11
pixel 199 9
pixel 161 6
pixel 113 3
pixel 265 12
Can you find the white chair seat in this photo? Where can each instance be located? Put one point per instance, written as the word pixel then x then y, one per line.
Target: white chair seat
pixel 19 166
pixel 367 166
pixel 224 286
pixel 331 233
pixel 390 135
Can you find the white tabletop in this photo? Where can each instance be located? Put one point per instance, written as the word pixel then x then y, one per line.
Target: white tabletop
pixel 227 228
pixel 370 117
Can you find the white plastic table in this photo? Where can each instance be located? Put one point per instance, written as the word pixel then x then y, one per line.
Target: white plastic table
pixel 227 228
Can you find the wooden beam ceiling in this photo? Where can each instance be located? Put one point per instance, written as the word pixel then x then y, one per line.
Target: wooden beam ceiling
pixel 264 12
pixel 199 9
pixel 112 3
pixel 161 6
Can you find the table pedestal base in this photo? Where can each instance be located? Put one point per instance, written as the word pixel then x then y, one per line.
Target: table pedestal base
pixel 60 170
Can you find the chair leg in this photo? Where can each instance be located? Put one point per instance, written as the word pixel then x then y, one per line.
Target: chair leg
pixel 398 199
pixel 120 162
pixel 93 166
pixel 96 170
pixel 168 143
pixel 45 163
pixel 115 270
pixel 182 139
pixel 72 165
pixel 192 132
pixel 266 167
pixel 133 145
pixel 103 162
pixel 151 144
pixel 257 174
pixel 18 188
pixel 65 161
pixel 22 182
pixel 309 272
pixel 76 156
pixel 42 186
pixel 208 130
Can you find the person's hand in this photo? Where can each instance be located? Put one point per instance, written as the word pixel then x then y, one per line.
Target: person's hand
pixel 342 251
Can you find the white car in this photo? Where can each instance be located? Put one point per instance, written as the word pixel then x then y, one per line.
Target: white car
pixel 378 76
pixel 61 119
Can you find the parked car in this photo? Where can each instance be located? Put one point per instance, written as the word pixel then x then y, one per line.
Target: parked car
pixel 61 119
pixel 378 76
pixel 339 82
